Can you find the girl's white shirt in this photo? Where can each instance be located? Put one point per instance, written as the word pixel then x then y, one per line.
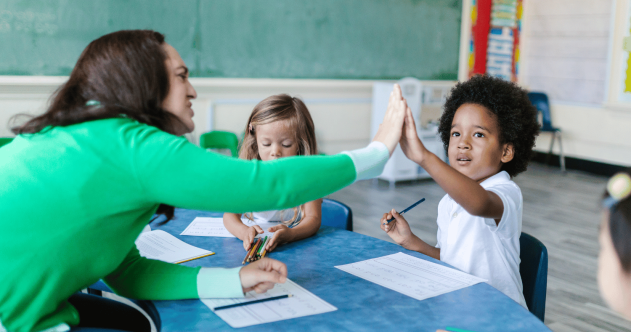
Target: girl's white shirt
pixel 272 217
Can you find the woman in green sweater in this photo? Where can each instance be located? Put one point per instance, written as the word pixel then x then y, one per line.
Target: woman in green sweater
pixel 81 181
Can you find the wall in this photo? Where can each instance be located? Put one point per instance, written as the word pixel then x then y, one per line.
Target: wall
pixel 574 43
pixel 341 109
pixel 566 52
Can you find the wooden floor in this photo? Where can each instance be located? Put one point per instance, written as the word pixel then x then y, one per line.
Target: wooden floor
pixel 562 211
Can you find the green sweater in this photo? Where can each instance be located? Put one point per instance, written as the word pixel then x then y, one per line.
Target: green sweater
pixel 74 199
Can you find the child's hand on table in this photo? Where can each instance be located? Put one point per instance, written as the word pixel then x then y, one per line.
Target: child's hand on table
pixel 282 235
pixel 249 236
pixel 398 229
pixel 262 275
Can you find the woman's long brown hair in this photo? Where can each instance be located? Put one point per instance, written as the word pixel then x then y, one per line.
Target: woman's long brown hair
pixel 125 72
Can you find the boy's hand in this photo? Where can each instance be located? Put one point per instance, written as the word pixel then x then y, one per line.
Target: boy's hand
pixel 249 236
pixel 281 235
pixel 389 132
pixel 410 143
pixel 398 229
pixel 262 275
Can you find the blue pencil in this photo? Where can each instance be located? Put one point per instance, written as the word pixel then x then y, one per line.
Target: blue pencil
pixel 252 302
pixel 406 210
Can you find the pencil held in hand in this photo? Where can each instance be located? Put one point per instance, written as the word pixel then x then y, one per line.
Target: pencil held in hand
pixel 257 250
pixel 406 210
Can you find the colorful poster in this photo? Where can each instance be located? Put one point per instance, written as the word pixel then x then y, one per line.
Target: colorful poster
pixel 494 44
pixel 625 85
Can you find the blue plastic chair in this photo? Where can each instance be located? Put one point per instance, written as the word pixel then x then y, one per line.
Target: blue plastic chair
pixel 534 273
pixel 540 101
pixel 336 214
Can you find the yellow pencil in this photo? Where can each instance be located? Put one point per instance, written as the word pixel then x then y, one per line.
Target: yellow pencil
pixel 190 259
pixel 250 252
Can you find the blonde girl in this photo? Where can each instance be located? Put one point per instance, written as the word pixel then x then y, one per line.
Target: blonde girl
pixel 279 126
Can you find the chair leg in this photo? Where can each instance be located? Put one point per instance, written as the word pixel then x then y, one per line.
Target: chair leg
pixel 561 155
pixel 551 146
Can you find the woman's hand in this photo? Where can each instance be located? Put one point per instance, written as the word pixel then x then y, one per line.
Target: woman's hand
pixel 282 234
pixel 249 236
pixel 390 129
pixel 262 275
pixel 398 229
pixel 410 143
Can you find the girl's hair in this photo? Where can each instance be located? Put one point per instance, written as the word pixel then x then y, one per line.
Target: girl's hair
pixel 278 108
pixel 620 221
pixel 125 73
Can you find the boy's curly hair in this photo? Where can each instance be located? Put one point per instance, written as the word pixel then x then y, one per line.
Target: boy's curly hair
pixel 515 114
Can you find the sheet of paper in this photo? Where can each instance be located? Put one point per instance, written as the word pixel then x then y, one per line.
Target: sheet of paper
pixel 302 303
pixel 204 226
pixel 411 276
pixel 165 247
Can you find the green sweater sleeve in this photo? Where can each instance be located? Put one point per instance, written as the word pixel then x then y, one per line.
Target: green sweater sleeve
pixel 173 171
pixel 145 279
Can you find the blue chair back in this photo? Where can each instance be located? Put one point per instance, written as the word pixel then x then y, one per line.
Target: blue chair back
pixel 540 101
pixel 534 273
pixel 336 214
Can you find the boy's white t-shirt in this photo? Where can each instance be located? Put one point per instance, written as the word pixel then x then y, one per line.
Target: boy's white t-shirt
pixel 478 246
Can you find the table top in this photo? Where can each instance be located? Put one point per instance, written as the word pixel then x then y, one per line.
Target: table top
pixel 361 305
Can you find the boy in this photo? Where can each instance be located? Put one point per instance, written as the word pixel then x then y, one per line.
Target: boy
pixel 488 128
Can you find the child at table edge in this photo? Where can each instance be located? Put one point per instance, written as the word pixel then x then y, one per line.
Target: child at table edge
pixel 614 258
pixel 279 126
pixel 489 128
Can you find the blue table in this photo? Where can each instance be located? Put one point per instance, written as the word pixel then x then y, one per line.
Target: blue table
pixel 362 305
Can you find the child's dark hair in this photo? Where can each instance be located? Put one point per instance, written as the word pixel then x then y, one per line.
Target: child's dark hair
pixel 515 115
pixel 620 222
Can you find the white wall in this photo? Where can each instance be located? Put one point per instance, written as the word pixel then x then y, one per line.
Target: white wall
pixel 566 52
pixel 340 108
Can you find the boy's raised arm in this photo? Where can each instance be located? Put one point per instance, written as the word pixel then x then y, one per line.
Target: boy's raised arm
pixel 468 193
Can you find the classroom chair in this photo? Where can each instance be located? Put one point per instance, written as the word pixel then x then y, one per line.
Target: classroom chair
pixel 5 140
pixel 534 273
pixel 336 214
pixel 218 139
pixel 540 101
pixel 99 287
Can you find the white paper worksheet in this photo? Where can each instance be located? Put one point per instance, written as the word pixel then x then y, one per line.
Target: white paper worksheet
pixel 411 276
pixel 204 226
pixel 302 303
pixel 163 246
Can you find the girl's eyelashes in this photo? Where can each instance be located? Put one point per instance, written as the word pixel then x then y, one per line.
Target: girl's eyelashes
pixel 455 134
pixel 478 135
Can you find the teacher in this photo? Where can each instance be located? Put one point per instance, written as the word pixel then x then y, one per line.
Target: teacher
pixel 79 183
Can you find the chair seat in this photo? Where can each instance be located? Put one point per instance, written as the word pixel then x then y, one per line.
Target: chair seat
pixel 549 129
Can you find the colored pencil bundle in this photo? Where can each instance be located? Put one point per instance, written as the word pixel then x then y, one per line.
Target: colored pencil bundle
pixel 257 250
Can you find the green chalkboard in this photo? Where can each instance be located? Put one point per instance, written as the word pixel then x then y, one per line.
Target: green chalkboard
pixel 352 39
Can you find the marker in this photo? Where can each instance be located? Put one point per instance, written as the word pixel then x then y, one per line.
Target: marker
pixel 252 302
pixel 406 210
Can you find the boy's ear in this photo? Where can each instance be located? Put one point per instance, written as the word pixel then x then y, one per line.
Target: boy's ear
pixel 508 152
